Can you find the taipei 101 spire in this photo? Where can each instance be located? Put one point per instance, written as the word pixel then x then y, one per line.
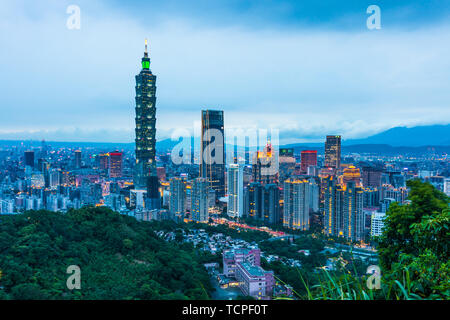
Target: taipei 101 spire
pixel 145 177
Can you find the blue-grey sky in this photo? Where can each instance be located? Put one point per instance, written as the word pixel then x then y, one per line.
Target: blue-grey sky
pixel 306 68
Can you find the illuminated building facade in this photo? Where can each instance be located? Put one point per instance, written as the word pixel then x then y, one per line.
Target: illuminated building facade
pixel 115 164
pixel 344 215
pixel 333 152
pixel 103 161
pixel 265 166
pixel 262 203
pixel 145 177
pixel 371 177
pixel 212 153
pixel 351 173
pixel 253 200
pixel 308 158
pixel 296 204
pixel 324 175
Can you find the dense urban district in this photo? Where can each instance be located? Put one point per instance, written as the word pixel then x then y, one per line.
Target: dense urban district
pixel 227 221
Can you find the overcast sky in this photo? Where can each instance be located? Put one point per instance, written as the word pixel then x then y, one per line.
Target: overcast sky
pixel 305 69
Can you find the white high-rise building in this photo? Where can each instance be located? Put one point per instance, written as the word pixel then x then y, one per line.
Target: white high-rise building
pixel 177 197
pixel 54 179
pixel 33 203
pixel 137 199
pixel 235 190
pixel 377 224
pixel 6 206
pixel 37 180
pixel 52 202
pixel 447 186
pixel 199 200
pixel 314 199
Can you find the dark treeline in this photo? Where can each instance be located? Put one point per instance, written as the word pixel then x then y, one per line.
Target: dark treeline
pixel 119 258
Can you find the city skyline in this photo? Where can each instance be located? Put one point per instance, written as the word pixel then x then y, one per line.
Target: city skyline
pixel 306 77
pixel 282 150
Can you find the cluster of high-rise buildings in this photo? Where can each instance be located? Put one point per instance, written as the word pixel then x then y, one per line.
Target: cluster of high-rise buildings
pixel 59 180
pixel 274 189
pixel 343 195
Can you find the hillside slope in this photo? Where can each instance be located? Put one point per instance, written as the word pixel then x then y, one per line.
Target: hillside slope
pixel 119 258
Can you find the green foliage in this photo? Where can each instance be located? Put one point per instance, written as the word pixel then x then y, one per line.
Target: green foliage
pixel 398 236
pixel 283 248
pixel 413 249
pixel 28 291
pixel 119 257
pixel 292 276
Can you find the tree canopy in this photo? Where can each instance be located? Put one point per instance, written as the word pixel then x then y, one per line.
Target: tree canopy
pixel 119 258
pixel 415 240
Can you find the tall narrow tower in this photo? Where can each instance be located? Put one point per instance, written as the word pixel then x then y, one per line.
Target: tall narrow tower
pixel 145 177
pixel 212 152
pixel 333 152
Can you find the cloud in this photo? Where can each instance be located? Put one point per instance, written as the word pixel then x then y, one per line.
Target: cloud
pixel 305 81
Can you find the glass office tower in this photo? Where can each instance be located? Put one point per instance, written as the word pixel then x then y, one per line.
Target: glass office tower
pixel 333 152
pixel 212 165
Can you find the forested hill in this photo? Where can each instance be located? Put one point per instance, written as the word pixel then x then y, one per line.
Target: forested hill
pixel 119 258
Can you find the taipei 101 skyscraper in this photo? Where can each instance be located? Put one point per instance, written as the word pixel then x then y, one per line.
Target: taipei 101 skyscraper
pixel 145 177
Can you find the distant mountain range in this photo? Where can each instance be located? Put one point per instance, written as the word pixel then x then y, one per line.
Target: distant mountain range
pixel 398 140
pixel 436 135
